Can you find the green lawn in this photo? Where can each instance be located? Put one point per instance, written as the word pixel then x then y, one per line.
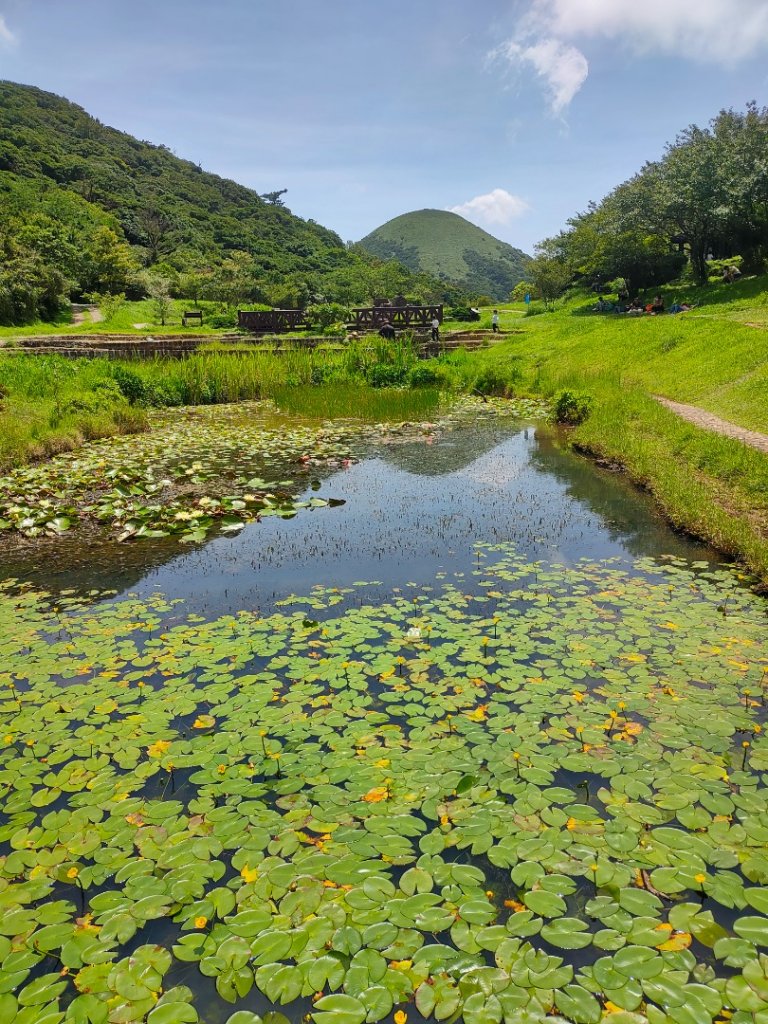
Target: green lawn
pixel 124 321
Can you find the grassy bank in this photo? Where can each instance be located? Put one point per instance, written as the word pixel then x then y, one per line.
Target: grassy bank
pixel 712 357
pixel 50 404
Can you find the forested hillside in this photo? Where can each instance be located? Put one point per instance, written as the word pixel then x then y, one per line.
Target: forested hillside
pixel 448 246
pixel 85 208
pixel 706 199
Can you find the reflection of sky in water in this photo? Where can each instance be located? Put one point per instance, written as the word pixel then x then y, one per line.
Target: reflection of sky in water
pixel 413 511
pixel 418 510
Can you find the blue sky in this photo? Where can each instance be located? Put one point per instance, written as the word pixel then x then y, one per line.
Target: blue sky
pixel 514 113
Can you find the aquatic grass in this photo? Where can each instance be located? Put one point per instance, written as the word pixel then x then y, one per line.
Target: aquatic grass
pixel 350 401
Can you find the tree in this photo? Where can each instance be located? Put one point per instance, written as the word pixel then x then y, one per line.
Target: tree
pixel 112 264
pixel 157 233
pixel 158 289
pixel 521 289
pixel 274 198
pixel 691 196
pixel 550 275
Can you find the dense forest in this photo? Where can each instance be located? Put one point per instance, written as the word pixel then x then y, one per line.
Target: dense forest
pixel 86 209
pixel 705 199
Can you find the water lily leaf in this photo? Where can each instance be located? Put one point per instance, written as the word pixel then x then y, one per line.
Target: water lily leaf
pixel 173 1013
pixel 578 1005
pixel 339 1009
pixel 753 929
pixel 546 904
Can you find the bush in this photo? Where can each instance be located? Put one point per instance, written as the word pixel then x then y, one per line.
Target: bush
pixel 497 379
pixel 223 320
pixel 327 317
pixel 463 313
pixel 131 385
pixel 381 375
pixel 572 407
pixel 423 376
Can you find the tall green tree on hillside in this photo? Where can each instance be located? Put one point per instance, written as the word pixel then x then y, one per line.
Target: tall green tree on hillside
pixel 550 274
pixel 690 194
pixel 113 267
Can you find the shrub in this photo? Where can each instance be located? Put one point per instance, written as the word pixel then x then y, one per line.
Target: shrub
pixel 222 320
pixel 497 379
pixel 131 385
pixel 327 316
pixel 572 407
pixel 381 375
pixel 423 376
pixel 463 313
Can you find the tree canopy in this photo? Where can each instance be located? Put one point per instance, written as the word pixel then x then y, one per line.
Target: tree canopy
pixel 707 197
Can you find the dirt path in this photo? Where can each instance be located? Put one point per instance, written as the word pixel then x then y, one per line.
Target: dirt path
pixel 82 313
pixel 708 421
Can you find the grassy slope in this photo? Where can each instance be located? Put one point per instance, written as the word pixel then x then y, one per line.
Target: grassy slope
pixel 140 312
pixel 442 244
pixel 713 486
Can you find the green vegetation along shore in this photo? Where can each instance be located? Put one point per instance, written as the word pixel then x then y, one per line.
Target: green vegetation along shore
pixel 613 367
pixel 714 357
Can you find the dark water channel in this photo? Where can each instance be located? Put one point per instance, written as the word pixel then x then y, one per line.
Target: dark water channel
pixel 412 513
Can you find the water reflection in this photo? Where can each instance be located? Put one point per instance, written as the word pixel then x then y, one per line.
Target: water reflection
pixel 412 511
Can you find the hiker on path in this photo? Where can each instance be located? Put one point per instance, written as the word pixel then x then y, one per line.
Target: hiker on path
pixel 435 329
pixel 495 321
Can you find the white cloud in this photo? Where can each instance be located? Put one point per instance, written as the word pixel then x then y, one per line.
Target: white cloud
pixel 7 38
pixel 496 207
pixel 724 31
pixel 554 33
pixel 563 67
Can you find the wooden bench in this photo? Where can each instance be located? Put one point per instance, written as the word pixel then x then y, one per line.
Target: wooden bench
pixel 192 314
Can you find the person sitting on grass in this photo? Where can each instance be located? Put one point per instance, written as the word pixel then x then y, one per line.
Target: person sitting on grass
pixel 636 306
pixel 657 306
pixel 680 307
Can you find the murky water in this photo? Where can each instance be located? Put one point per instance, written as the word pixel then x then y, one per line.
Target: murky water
pixel 413 512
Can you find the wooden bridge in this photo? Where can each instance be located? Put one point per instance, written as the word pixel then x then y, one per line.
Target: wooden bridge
pixel 371 318
pixel 364 319
pixel 271 321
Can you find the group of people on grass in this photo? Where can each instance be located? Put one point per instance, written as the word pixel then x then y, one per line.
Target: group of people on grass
pixel 637 306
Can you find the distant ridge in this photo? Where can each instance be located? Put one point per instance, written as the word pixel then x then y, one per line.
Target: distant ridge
pixel 451 248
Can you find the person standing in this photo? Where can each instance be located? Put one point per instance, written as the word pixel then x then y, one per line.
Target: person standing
pixel 435 329
pixel 495 321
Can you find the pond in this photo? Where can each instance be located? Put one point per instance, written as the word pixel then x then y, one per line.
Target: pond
pixel 478 737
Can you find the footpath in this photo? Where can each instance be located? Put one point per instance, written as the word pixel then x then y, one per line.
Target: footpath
pixel 708 421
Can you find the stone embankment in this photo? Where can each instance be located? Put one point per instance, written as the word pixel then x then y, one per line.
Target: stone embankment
pixel 133 346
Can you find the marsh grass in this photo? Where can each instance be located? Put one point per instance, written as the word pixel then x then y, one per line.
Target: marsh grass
pixel 49 405
pixel 347 401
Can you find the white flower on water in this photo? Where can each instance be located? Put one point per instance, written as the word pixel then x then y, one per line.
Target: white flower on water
pixel 413 634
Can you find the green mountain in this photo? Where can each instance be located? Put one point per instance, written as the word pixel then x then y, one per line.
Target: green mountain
pixel 85 208
pixel 160 201
pixel 450 248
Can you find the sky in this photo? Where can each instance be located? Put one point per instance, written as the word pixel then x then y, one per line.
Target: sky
pixel 513 113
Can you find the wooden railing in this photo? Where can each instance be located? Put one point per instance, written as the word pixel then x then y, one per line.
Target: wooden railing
pixel 366 318
pixel 271 321
pixel 371 318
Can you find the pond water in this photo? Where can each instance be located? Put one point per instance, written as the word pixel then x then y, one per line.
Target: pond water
pixel 484 742
pixel 413 509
